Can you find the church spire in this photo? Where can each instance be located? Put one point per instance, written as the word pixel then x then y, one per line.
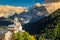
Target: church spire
pixel 16 20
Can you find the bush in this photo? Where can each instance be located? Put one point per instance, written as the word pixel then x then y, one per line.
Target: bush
pixel 14 36
pixel 27 36
pixel 22 36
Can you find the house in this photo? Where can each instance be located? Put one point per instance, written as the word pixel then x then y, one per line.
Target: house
pixel 8 35
pixel 2 34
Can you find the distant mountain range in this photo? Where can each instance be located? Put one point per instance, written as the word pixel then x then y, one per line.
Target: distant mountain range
pixel 34 14
pixel 51 6
pixel 38 26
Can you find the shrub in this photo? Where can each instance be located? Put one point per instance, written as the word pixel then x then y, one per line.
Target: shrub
pixel 22 36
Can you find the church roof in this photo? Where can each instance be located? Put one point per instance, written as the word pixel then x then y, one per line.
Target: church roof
pixel 11 25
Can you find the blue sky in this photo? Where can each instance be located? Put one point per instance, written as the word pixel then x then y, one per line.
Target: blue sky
pixel 19 2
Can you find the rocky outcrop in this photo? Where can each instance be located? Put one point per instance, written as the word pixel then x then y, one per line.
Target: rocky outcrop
pixel 51 7
pixel 37 5
pixel 36 13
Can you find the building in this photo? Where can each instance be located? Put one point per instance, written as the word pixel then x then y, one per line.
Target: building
pixel 2 34
pixel 8 35
pixel 16 26
pixel 13 28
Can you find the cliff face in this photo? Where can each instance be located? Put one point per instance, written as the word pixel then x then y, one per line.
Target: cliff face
pixel 51 7
pixel 40 25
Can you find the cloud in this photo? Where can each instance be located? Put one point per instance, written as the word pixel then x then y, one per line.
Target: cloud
pixel 10 10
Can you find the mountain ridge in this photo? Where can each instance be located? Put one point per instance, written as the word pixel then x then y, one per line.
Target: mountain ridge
pixel 39 25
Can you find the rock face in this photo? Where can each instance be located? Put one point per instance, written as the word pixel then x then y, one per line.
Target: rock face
pixel 51 7
pixel 34 14
pixel 39 25
pixel 37 5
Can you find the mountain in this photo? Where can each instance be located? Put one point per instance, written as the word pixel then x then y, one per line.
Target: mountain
pixel 38 26
pixel 32 15
pixel 34 20
pixel 35 13
pixel 52 30
pixel 5 21
pixel 51 6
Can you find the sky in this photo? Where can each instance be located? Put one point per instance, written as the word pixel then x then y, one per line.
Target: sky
pixel 20 2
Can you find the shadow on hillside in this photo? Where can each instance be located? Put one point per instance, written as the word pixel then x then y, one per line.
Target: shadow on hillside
pixel 37 27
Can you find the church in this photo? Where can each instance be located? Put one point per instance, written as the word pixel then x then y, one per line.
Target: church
pixel 16 26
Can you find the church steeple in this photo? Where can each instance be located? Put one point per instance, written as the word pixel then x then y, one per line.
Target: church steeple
pixel 16 20
pixel 17 23
pixel 16 26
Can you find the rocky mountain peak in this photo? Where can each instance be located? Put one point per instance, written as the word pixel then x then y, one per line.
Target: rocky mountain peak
pixel 37 5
